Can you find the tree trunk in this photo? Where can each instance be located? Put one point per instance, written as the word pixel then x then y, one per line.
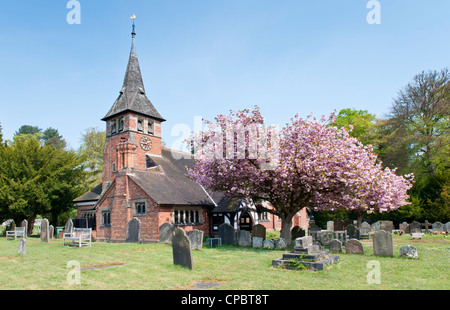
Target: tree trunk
pixel 286 224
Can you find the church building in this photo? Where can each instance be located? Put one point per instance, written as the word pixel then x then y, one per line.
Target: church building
pixel 142 180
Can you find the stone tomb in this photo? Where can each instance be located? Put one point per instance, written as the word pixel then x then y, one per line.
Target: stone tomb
pixel 181 249
pixel 307 254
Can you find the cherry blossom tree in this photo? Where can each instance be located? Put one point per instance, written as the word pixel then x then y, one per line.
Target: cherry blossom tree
pixel 305 164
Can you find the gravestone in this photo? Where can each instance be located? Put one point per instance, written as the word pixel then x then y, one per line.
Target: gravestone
pixel 257 242
pixel 375 226
pixel 45 231
pixel 68 228
pixel 330 225
pixel 303 242
pixel 335 245
pixel 438 226
pixel 281 244
pixel 354 246
pixel 243 238
pixel 447 226
pixel 383 244
pixel 133 231
pixel 314 227
pixel 297 232
pixel 364 231
pixel 415 227
pixel 23 246
pixel 352 232
pixel 227 234
pixel 403 226
pixel 196 238
pixel 25 225
pixel 51 231
pixel 166 231
pixel 268 244
pixel 409 251
pixel 259 231
pixel 338 225
pixel 181 249
pixel 387 226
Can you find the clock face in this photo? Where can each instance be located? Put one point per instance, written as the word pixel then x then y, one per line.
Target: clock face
pixel 146 143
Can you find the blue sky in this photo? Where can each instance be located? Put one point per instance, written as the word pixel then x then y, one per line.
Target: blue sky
pixel 205 57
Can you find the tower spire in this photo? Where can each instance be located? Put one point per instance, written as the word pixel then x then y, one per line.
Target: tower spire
pixel 133 34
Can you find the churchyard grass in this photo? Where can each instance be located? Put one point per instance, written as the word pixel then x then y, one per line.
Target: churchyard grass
pixel 150 266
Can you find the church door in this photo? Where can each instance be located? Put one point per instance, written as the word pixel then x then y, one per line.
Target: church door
pixel 245 222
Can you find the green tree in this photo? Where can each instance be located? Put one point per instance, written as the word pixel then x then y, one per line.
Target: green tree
pixel 1 135
pixel 52 137
pixel 92 149
pixel 38 180
pixel 360 124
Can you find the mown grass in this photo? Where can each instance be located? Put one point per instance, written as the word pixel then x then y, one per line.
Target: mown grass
pixel 150 266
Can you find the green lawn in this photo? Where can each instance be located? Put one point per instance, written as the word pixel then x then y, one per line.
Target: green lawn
pixel 150 266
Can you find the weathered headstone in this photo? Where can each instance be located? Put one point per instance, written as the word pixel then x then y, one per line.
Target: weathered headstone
pixel 354 246
pixel 338 225
pixel 196 238
pixel 352 231
pixel 376 226
pixel 166 231
pixel 134 231
pixel 330 225
pixel 25 225
pixel 181 249
pixel 383 244
pixel 303 242
pixel 257 242
pixel 23 246
pixel 335 245
pixel 364 231
pixel 281 244
pixel 227 234
pixel 386 226
pixel 268 244
pixel 297 232
pixel 409 251
pixel 259 231
pixel 447 226
pixel 51 231
pixel 68 229
pixel 403 226
pixel 438 226
pixel 243 238
pixel 45 231
pixel 415 227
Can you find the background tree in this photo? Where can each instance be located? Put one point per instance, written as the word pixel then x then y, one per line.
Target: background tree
pixel 317 166
pixel 92 149
pixel 359 123
pixel 38 180
pixel 52 137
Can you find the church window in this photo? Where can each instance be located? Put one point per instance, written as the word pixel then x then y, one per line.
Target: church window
pixel 121 124
pixel 264 216
pixel 151 125
pixel 106 218
pixel 140 125
pixel 114 167
pixel 113 127
pixel 185 217
pixel 140 207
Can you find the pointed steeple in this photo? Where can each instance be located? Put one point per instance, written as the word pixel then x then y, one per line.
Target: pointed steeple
pixel 132 96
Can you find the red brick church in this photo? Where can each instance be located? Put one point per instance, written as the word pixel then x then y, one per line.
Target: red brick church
pixel 141 179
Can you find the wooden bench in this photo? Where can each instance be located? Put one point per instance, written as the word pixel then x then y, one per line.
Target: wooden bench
pixel 80 237
pixel 18 232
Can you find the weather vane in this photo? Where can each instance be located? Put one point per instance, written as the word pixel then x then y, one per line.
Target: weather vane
pixel 133 18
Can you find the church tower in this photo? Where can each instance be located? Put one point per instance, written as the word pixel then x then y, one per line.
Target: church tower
pixel 133 125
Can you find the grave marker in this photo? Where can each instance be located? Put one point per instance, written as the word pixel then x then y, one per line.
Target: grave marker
pixel 133 231
pixel 383 244
pixel 354 246
pixel 227 234
pixel 45 231
pixel 166 231
pixel 196 238
pixel 181 249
